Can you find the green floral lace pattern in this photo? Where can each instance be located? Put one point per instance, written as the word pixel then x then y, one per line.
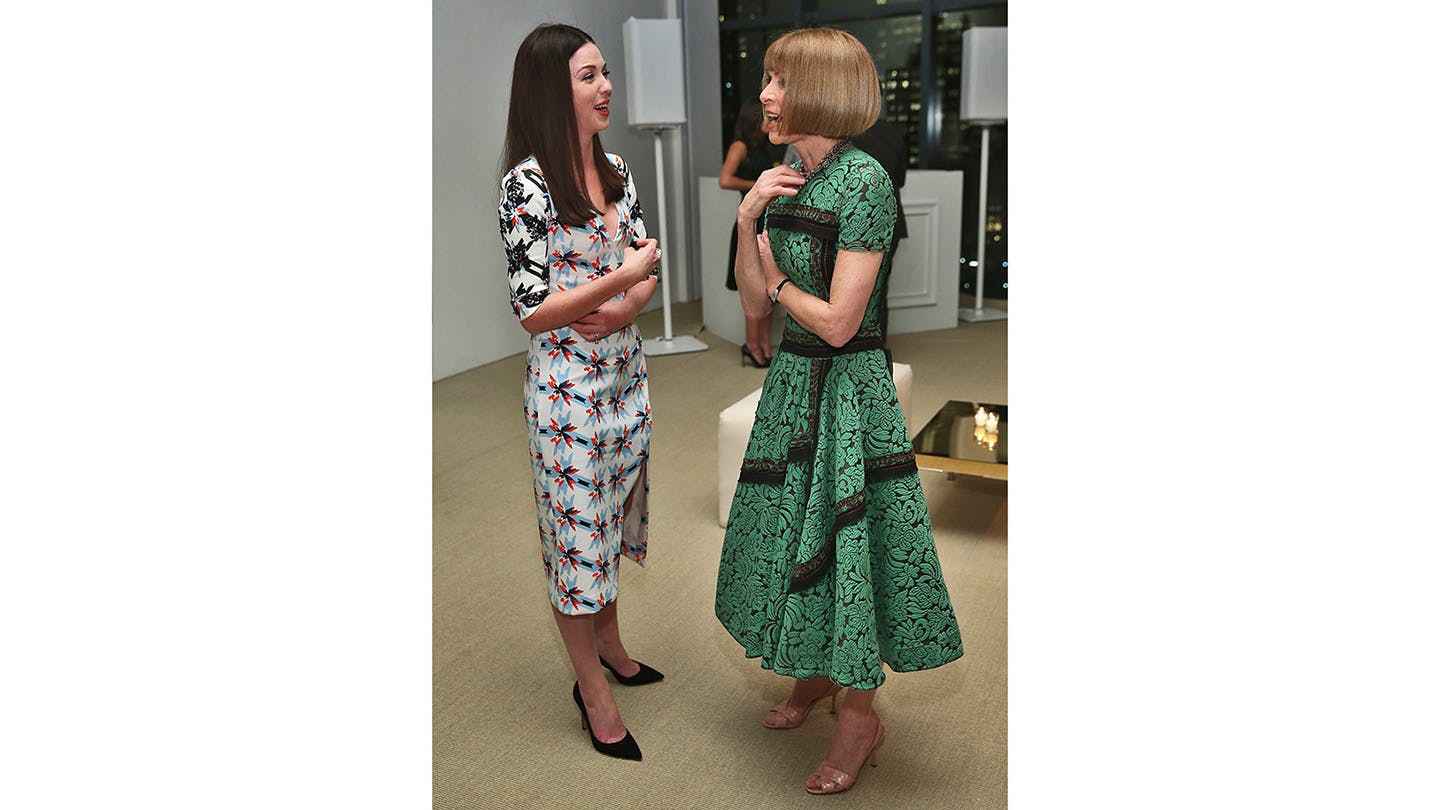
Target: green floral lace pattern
pixel 829 565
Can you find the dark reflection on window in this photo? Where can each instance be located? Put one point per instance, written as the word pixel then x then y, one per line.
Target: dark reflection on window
pixel 894 44
pixel 959 148
pixel 741 10
pixel 895 41
pixel 875 8
pixel 997 272
pixel 949 30
pixel 742 68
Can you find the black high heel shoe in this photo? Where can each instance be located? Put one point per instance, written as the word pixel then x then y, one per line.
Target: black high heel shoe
pixel 746 354
pixel 644 676
pixel 622 749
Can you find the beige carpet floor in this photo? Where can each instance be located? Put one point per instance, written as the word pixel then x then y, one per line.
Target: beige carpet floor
pixel 506 733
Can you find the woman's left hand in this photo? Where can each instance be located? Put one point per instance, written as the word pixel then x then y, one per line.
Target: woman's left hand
pixel 611 317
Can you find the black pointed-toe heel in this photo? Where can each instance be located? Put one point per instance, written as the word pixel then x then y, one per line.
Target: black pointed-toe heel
pixel 622 749
pixel 644 676
pixel 746 354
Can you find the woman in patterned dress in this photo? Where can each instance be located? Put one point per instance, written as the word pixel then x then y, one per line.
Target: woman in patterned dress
pixel 829 569
pixel 580 269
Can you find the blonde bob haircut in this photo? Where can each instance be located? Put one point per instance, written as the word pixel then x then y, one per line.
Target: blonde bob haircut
pixel 831 88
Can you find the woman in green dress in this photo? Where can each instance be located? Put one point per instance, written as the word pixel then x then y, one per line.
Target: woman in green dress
pixel 829 569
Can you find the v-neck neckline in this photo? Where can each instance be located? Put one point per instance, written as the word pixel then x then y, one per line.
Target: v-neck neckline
pixel 604 228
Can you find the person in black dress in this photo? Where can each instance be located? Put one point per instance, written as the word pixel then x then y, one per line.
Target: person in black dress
pixel 750 153
pixel 885 141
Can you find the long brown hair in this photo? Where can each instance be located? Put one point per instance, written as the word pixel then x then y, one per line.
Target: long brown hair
pixel 540 125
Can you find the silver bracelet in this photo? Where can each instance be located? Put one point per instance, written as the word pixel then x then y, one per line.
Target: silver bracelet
pixel 775 293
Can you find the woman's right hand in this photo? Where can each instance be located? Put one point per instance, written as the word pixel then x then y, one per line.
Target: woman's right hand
pixel 641 261
pixel 780 181
pixel 768 266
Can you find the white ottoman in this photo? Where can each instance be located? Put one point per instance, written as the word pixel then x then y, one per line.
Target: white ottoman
pixel 736 422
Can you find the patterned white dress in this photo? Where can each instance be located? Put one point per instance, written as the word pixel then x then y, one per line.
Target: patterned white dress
pixel 587 406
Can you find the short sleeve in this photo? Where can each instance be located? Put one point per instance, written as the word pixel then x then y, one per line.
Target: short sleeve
pixel 525 229
pixel 867 209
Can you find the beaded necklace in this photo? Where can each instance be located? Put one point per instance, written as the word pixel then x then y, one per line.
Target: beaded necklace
pixel 840 146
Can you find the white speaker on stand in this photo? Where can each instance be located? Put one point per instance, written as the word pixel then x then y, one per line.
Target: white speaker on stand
pixel 983 83
pixel 655 92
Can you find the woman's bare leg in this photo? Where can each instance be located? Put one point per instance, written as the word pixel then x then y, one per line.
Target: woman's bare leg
pixel 854 734
pixel 796 708
pixel 607 641
pixel 808 690
pixel 757 337
pixel 578 633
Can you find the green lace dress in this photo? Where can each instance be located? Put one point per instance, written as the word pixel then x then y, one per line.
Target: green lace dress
pixel 829 567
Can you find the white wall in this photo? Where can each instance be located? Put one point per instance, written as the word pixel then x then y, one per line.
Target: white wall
pixel 474 51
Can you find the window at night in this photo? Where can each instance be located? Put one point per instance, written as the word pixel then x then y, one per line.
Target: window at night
pixel 917 51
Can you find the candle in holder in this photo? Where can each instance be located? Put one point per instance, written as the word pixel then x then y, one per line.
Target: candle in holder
pixel 992 422
pixel 980 416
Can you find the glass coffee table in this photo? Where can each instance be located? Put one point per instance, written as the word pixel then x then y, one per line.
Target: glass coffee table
pixel 952 443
